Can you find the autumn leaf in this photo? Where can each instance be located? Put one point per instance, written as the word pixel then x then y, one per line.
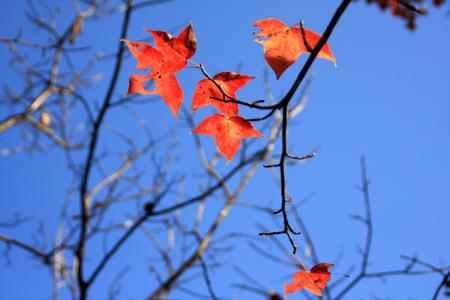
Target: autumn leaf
pixel 408 10
pixel 394 7
pixel 169 56
pixel 206 91
pixel 227 132
pixel 312 280
pixel 146 55
pixel 175 50
pixel 166 85
pixel 283 45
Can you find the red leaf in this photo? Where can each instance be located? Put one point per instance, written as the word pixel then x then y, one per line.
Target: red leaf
pixel 228 132
pixel 147 56
pixel 394 7
pixel 230 82
pixel 283 45
pixel 175 50
pixel 166 86
pixel 312 280
pixel 186 43
pixel 169 56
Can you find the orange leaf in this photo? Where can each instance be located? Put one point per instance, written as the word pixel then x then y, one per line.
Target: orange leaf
pixel 175 50
pixel 186 43
pixel 206 91
pixel 147 56
pixel 228 132
pixel 169 56
pixel 283 45
pixel 166 86
pixel 312 280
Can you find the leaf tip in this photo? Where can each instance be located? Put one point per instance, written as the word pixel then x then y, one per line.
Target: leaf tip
pixel 174 112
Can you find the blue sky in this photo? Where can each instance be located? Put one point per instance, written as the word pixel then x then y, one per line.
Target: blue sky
pixel 388 99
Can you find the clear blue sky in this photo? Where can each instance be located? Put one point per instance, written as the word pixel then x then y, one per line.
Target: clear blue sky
pixel 389 99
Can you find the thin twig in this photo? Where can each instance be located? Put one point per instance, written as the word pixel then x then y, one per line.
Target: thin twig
pixel 80 253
